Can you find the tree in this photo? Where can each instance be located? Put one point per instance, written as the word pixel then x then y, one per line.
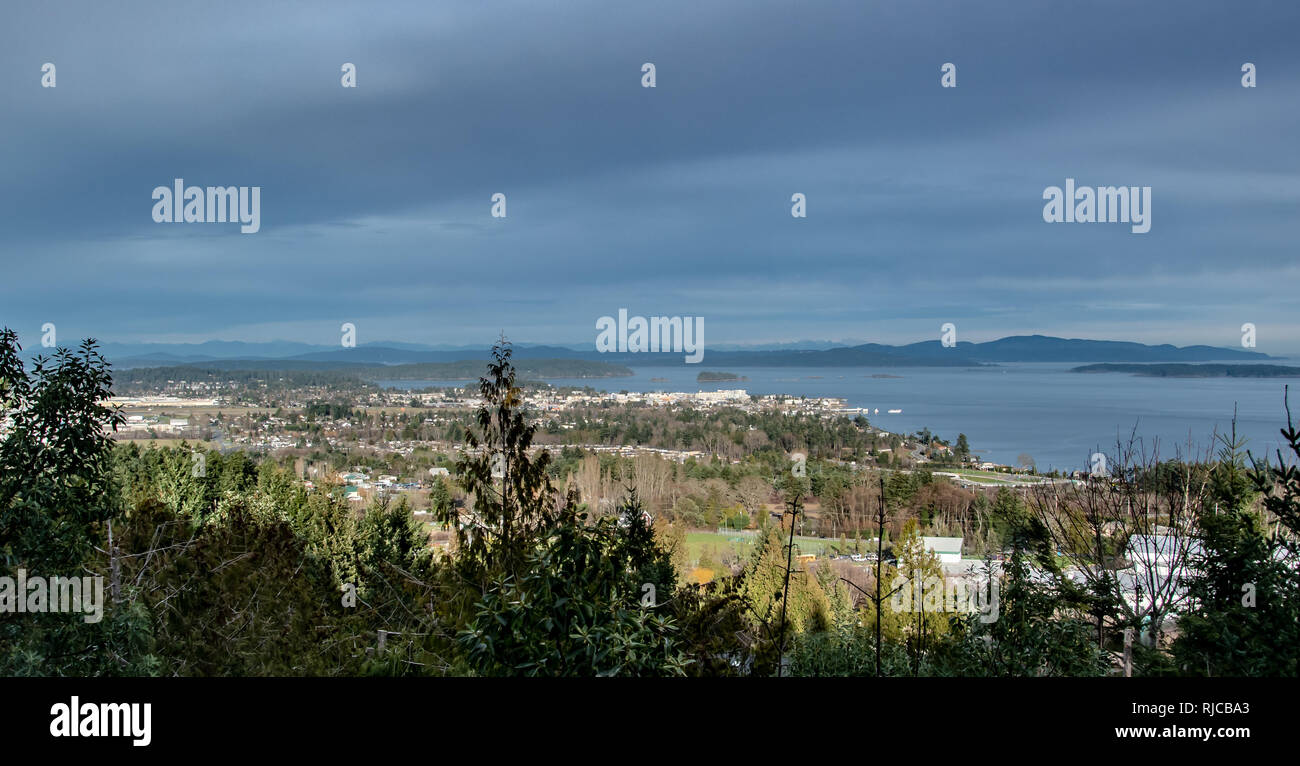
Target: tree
pixel 55 480
pixel 57 507
pixel 780 598
pixel 587 604
pixel 440 503
pixel 511 494
pixel 1124 533
pixel 923 621
pixel 752 492
pixel 963 448
pixel 1244 618
pixel 1028 625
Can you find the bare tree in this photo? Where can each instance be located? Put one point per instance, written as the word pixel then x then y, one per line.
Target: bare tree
pixel 588 479
pixel 1126 535
pixel 753 492
pixel 653 475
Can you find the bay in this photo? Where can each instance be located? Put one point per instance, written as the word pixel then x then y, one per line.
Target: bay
pixel 1059 418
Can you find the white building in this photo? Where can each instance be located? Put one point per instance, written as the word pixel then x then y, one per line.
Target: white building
pixel 1161 554
pixel 728 395
pixel 948 549
pixel 1157 570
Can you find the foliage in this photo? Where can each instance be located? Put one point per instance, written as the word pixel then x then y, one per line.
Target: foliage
pixel 1246 620
pixel 239 569
pixel 581 607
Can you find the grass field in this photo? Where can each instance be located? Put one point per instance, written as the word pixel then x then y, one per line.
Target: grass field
pixel 146 442
pixel 742 543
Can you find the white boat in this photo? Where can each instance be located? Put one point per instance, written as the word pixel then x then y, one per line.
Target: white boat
pixel 894 412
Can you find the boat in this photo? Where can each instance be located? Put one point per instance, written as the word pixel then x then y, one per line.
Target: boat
pixel 894 412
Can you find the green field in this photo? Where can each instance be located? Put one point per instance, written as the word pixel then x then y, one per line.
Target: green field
pixel 742 543
pixel 146 442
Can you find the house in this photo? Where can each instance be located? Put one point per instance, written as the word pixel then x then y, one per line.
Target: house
pixel 1161 553
pixel 1158 566
pixel 948 549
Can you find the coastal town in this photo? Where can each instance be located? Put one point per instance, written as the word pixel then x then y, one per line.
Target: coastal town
pixel 180 414
pixel 399 444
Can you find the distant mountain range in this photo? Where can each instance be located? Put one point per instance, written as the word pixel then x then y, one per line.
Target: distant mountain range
pixel 177 353
pixel 287 355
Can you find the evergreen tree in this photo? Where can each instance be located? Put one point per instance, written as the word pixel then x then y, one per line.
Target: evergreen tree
pixel 57 505
pixel 1244 618
pixel 588 603
pixel 511 494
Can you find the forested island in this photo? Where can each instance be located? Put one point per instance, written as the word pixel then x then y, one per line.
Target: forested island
pixel 715 377
pixel 1196 370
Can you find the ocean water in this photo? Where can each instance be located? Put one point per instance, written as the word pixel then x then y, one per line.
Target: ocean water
pixel 1056 416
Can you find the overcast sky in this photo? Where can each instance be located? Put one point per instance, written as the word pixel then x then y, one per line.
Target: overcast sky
pixel 924 204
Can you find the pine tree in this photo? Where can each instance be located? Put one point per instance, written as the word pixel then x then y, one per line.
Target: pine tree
pixel 1244 618
pixel 511 494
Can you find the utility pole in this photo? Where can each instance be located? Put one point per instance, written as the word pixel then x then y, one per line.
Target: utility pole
pixel 1128 652
pixel 114 567
pixel 877 597
pixel 880 548
pixel 920 628
pixel 785 590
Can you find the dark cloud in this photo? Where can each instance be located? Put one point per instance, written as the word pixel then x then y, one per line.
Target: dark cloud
pixel 924 203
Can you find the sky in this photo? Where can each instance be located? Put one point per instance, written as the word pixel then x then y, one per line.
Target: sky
pixel 924 203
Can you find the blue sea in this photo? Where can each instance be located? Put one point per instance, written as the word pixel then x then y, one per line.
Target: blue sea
pixel 1057 417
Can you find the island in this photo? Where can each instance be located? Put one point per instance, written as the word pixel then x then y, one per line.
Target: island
pixel 1196 370
pixel 717 377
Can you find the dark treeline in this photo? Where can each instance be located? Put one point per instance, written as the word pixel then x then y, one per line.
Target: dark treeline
pixel 1196 370
pixel 145 379
pixel 306 374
